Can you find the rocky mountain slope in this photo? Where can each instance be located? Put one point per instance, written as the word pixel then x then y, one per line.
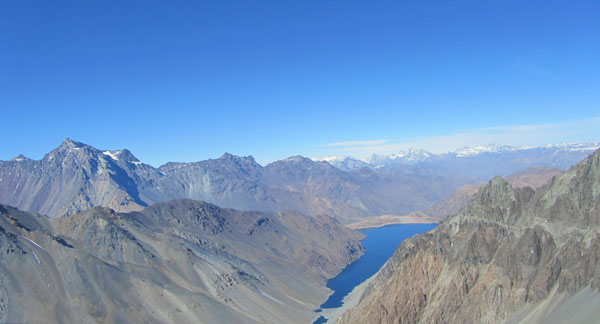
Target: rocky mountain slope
pixel 181 261
pixel 511 254
pixel 76 177
pixel 533 177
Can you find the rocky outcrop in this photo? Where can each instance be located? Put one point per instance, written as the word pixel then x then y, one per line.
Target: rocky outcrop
pixel 534 177
pixel 181 261
pixel 505 256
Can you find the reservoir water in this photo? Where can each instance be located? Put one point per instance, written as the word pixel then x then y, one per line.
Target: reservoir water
pixel 380 244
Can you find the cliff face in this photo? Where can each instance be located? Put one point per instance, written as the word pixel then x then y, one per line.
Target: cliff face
pixel 182 261
pixel 510 254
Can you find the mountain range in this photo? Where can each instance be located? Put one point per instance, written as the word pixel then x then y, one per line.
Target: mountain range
pixel 512 255
pixel 75 177
pixel 128 242
pixel 483 162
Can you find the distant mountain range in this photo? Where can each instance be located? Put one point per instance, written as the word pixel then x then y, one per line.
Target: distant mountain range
pixel 483 162
pixel 75 177
pixel 510 255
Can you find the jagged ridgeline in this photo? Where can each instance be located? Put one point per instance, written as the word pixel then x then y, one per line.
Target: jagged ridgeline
pixel 510 255
pixel 182 261
pixel 75 177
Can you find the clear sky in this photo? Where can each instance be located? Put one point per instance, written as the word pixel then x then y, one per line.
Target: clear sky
pixel 187 81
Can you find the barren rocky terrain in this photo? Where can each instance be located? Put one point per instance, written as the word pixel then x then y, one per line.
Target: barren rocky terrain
pixel 533 177
pixel 181 261
pixel 511 254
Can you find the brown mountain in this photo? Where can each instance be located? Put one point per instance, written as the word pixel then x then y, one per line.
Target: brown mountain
pixel 182 261
pixel 510 255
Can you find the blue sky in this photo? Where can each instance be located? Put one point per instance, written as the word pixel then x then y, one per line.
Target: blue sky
pixel 189 81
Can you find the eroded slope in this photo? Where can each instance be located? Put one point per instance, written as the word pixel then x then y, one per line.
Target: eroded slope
pixel 180 261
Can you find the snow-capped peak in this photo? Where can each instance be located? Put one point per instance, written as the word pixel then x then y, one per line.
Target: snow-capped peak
pixel 408 156
pixel 334 158
pixel 415 156
pixel 492 148
pixel 112 154
pixel 19 158
pixel 295 159
pixel 345 163
pixel 411 155
pixel 574 146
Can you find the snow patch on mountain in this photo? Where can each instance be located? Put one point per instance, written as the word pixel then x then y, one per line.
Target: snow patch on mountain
pixel 345 163
pixel 493 148
pixel 113 155
pixel 574 146
pixel 407 156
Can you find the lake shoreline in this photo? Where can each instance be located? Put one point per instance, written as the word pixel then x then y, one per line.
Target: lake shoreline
pixel 385 220
pixel 347 287
pixel 351 300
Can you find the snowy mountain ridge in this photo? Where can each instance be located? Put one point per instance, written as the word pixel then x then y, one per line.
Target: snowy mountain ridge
pixel 414 156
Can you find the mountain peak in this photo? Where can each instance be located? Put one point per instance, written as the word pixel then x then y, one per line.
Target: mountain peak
pixel 124 155
pixel 227 156
pixel 409 156
pixel 497 201
pixel 231 157
pixel 128 156
pixel 19 158
pixel 492 148
pixel 296 159
pixel 69 143
pixel 67 147
pixel 344 163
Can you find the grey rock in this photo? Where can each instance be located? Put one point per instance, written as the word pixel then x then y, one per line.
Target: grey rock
pixel 177 261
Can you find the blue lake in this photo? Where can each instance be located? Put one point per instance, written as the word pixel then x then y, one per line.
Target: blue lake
pixel 380 244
